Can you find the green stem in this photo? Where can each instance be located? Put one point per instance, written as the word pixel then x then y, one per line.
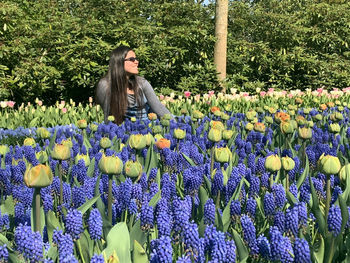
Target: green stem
pixel 287 182
pixel 328 197
pixel 212 160
pixel 110 181
pixel 61 182
pixel 81 254
pixel 37 210
pixel 126 216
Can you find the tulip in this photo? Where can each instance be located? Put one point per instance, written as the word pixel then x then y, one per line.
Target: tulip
pixel 227 134
pixel 42 156
pixel 215 135
pixel 133 169
pixel 60 152
pixel 157 129
pixel 330 104
pixel 197 114
pixel 111 118
pixel 281 117
pixel 82 124
pixel 163 143
pixel 43 133
pixel 228 107
pixel 273 163
pixel 137 141
pixel 305 133
pixel 214 109
pixel 38 176
pixel 259 127
pixel 259 110
pixel 93 127
pixel 68 142
pixel 269 119
pixel 338 116
pixel 84 157
pixel 251 115
pixel 300 120
pixel 334 128
pixel 165 122
pixel 167 116
pixel 224 116
pixel 298 101
pixel 149 139
pixel 179 134
pixel 272 110
pixel 184 111
pixel 133 119
pixel 310 124
pixel 307 110
pixel 222 155
pixel 105 143
pixel 4 149
pixel 249 126
pixel 317 117
pixel 344 172
pixel 29 142
pixel 217 125
pixel 329 164
pixel 110 165
pixel 287 127
pixel 323 107
pixel 288 163
pixel 152 116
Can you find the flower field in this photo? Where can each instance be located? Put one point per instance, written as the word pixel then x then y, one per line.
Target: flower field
pixel 229 178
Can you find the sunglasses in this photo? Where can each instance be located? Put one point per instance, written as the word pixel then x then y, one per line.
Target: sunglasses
pixel 132 59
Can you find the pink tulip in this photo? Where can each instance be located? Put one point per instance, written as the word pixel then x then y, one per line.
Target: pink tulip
pixel 64 110
pixel 187 94
pixel 90 99
pixel 40 102
pixel 11 104
pixel 211 93
pixel 161 97
pixel 262 93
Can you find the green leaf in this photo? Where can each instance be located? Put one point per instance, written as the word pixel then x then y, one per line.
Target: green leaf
pixel 137 234
pixel 33 122
pixel 155 199
pixel 52 140
pixel 203 197
pixel 151 159
pixel 188 159
pixel 139 254
pixel 118 239
pixel 88 204
pixel 242 251
pixel 91 169
pixel 305 173
pixel 8 207
pixel 319 254
pixel 316 209
pixel 344 212
pixel 52 223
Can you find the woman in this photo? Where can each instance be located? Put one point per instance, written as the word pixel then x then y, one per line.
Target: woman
pixel 124 94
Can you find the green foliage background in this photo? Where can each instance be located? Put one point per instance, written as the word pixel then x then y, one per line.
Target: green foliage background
pixel 56 49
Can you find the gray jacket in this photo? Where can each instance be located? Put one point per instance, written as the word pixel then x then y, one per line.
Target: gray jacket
pixel 103 97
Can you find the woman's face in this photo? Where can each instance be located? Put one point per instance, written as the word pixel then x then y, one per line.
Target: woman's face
pixel 130 64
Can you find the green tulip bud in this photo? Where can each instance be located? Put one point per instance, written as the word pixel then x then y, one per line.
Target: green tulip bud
pixel 273 163
pixel 307 110
pixel 4 149
pixel 251 115
pixel 217 113
pixel 60 152
pixel 310 124
pixel 137 141
pixel 105 143
pixel 38 176
pixel 228 107
pixel 287 127
pixel 82 124
pixel 43 133
pixel 149 139
pixel 42 156
pixel 224 116
pixel 93 127
pixel 157 129
pixel 29 142
pixel 110 165
pixel 227 134
pixel 222 155
pixel 165 122
pixel 305 133
pixel 338 116
pixel 334 128
pixel 197 114
pixel 329 164
pixel 249 126
pixel 288 163
pixel 133 169
pixel 344 172
pixel 179 134
pixel 167 116
pixel 317 117
pixel 269 119
pixel 300 120
pixel 259 110
pixel 214 135
pixel 84 157
pixel 340 108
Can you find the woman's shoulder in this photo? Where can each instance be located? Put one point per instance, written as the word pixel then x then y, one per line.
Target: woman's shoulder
pixel 143 83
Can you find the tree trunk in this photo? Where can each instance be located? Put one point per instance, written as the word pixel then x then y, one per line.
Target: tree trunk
pixel 221 17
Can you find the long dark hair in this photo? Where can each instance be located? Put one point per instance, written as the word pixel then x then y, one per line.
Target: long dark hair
pixel 119 83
